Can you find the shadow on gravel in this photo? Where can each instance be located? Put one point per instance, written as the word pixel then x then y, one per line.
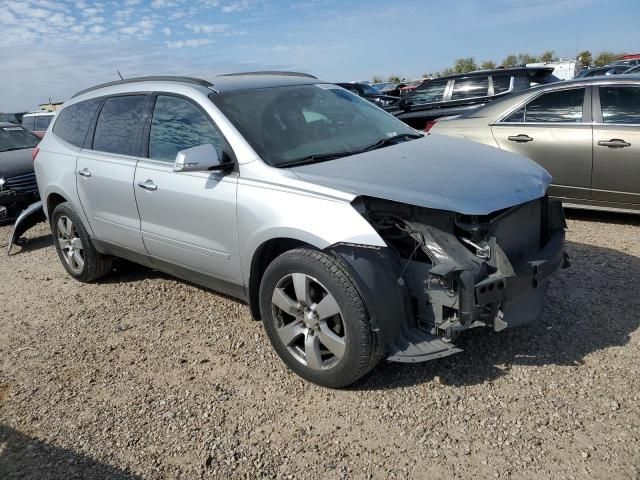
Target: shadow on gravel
pixel 31 244
pixel 591 306
pixel 25 458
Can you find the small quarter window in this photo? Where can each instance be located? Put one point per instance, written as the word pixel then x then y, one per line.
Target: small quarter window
pixel 72 123
pixel 501 83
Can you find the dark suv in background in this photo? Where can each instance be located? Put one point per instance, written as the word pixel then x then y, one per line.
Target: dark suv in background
pixel 370 93
pixel 457 94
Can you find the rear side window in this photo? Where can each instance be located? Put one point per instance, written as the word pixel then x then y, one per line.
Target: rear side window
pixel 501 83
pixel 29 123
pixel 177 125
pixel 564 106
pixel 43 121
pixel 120 124
pixel 620 105
pixel 73 122
pixel 429 92
pixel 473 87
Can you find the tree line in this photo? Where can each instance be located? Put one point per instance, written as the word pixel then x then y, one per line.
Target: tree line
pixel 469 64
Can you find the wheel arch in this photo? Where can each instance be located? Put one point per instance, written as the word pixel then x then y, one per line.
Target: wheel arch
pixel 53 200
pixel 262 257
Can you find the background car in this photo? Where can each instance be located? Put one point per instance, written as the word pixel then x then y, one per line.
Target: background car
pixel 457 94
pixel 585 132
pixel 607 70
pixel 15 118
pixel 18 186
pixel 37 122
pixel 370 93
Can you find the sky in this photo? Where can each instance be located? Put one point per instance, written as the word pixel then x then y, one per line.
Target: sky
pixel 54 48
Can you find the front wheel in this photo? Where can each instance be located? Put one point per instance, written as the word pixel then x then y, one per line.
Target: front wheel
pixel 316 320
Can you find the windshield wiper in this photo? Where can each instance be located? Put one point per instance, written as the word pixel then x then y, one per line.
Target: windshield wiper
pixel 390 140
pixel 314 159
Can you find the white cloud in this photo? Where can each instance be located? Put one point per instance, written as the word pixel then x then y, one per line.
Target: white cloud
pixel 237 6
pixel 166 31
pixel 97 29
pixel 208 29
pixel 193 42
pixel 163 3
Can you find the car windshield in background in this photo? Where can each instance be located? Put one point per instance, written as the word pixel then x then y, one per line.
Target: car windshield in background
pixel 369 90
pixel 307 123
pixel 16 138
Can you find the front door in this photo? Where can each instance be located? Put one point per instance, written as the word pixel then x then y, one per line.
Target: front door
pixel 105 172
pixel 550 131
pixel 188 219
pixel 616 145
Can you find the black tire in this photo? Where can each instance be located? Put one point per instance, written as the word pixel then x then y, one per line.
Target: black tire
pixel 361 348
pixel 95 265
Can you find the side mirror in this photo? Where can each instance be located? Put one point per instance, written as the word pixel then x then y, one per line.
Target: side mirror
pixel 203 158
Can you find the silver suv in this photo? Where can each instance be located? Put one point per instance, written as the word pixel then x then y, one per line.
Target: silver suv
pixel 350 235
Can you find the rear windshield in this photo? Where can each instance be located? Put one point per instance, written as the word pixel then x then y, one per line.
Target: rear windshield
pixel 16 138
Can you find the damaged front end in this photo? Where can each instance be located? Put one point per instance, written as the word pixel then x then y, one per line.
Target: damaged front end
pixel 443 272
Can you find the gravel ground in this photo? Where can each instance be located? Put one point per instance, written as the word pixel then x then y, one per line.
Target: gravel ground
pixel 143 376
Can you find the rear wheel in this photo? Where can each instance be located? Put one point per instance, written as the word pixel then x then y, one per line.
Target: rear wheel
pixel 315 319
pixel 77 254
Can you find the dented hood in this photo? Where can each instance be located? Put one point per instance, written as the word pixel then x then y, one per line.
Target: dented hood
pixel 436 172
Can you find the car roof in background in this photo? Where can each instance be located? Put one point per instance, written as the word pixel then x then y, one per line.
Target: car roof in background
pixel 221 83
pixel 38 112
pixel 516 71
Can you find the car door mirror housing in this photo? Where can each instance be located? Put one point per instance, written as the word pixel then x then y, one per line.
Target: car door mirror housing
pixel 203 158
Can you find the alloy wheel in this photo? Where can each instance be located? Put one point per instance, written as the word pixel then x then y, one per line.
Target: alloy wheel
pixel 309 321
pixel 70 244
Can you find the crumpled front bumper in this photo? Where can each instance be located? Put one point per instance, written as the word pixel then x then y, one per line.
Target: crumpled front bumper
pixel 418 308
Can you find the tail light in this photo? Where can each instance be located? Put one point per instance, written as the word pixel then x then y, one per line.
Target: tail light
pixel 34 153
pixel 429 125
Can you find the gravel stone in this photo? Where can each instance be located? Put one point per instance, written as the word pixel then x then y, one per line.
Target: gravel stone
pixel 142 376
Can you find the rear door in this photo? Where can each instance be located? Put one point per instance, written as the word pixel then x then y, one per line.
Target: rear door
pixel 616 144
pixel 106 168
pixel 553 129
pixel 188 219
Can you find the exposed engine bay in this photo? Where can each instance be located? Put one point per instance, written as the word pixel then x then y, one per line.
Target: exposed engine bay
pixel 457 272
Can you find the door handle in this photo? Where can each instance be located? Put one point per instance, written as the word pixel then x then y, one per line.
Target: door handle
pixel 84 172
pixel 522 138
pixel 148 185
pixel 614 143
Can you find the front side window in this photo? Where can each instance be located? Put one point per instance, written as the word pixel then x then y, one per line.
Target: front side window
pixel 430 92
pixel 620 104
pixel 16 138
pixel 472 87
pixel 308 123
pixel 120 124
pixel 177 125
pixel 564 106
pixel 72 123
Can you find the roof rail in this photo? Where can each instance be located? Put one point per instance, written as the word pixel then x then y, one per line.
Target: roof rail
pixel 269 72
pixel 196 81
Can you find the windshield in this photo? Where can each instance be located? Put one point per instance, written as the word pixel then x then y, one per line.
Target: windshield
pixel 16 138
pixel 369 90
pixel 304 123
